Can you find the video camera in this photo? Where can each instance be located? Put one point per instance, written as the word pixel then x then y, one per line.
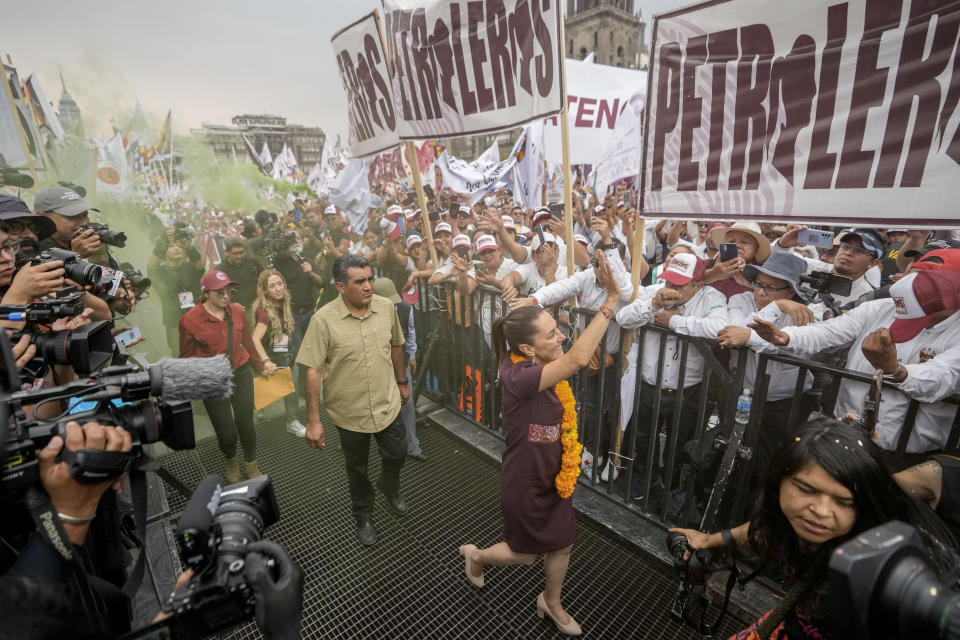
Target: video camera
pixel 181 233
pixel 691 597
pixel 882 587
pixel 87 347
pixel 112 238
pixel 139 401
pixel 217 526
pixel 821 286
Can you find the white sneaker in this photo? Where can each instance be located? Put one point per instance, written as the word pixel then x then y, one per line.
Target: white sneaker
pixel 296 428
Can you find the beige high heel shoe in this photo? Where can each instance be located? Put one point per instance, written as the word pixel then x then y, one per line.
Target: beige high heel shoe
pixel 570 629
pixel 467 552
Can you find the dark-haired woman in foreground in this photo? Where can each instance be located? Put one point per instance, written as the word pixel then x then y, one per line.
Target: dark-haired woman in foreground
pixel 541 461
pixel 824 486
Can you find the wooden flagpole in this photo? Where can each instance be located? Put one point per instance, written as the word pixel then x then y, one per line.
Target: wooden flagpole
pixel 14 112
pixel 565 146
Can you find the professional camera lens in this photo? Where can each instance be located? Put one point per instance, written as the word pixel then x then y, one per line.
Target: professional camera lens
pixel 243 515
pixel 113 238
pixel 914 601
pixel 87 348
pixel 155 421
pixel 79 270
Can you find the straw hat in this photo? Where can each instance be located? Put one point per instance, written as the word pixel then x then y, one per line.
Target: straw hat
pixel 719 236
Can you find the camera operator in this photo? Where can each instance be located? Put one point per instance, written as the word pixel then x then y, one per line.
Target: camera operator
pixel 175 267
pixel 824 486
pixel 858 257
pixel 70 212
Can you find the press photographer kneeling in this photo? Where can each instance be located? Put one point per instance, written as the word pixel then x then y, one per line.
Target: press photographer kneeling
pixel 56 474
pixel 825 486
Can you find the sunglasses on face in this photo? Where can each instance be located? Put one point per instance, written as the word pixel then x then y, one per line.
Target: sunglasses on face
pixel 226 292
pixel 769 288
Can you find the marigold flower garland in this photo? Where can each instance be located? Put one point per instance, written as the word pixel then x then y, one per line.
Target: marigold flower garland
pixel 566 480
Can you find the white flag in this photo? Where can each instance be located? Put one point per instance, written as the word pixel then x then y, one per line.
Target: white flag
pixel 112 168
pixel 351 194
pixel 622 156
pixel 463 177
pixel 528 175
pixel 265 158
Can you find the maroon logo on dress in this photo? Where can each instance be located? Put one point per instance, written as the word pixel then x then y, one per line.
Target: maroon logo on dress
pixel 543 433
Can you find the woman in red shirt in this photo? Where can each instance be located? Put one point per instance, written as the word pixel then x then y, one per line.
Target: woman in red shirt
pixel 218 326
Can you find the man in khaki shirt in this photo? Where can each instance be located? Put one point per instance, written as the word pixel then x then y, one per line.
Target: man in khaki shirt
pixel 353 351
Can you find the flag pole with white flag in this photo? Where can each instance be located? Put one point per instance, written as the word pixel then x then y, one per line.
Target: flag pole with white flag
pixel 565 139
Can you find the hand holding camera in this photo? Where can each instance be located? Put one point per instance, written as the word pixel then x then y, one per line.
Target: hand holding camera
pixel 86 244
pixel 75 500
pixel 34 281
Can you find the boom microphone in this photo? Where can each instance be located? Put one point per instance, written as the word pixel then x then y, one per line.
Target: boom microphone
pixel 183 379
pixel 193 531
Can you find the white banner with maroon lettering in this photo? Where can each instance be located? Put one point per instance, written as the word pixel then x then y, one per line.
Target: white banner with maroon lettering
pixel 816 111
pixel 391 168
pixel 362 64
pixel 464 68
pixel 596 96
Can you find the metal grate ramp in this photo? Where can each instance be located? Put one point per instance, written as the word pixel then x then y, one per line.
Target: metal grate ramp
pixel 411 584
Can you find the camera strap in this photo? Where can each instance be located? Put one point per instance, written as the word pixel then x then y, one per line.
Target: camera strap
pixel 51 531
pixel 138 494
pixel 229 317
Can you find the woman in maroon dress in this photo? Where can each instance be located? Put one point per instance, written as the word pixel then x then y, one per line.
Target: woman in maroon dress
pixel 536 520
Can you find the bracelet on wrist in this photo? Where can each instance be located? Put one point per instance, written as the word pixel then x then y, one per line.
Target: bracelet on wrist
pixel 728 540
pixel 607 312
pixel 74 519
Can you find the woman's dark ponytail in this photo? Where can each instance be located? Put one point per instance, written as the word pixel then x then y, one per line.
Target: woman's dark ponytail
pixel 516 328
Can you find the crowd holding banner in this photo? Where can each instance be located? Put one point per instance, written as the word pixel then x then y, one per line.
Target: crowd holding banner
pixel 691 192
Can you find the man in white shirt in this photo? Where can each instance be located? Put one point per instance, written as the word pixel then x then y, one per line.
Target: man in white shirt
pixel 913 337
pixel 544 269
pixel 776 297
pixel 858 257
pixel 684 304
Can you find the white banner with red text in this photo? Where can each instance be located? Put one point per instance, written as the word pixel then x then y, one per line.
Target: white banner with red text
pixel 465 68
pixel 818 111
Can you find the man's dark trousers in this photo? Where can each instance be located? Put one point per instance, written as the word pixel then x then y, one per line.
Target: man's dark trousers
pixel 392 443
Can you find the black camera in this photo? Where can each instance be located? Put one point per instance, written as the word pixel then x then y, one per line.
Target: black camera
pixel 821 286
pixel 87 347
pixel 691 604
pixel 82 272
pixel 181 233
pixel 112 238
pixel 217 525
pixel 139 283
pixel 882 587
pixel 118 395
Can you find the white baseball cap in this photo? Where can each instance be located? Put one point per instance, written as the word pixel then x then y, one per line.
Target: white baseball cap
pixel 461 240
pixel 410 214
pixel 582 239
pixel 413 239
pixel 542 212
pixel 331 210
pixel 441 227
pixel 486 242
pixel 508 223
pixel 547 237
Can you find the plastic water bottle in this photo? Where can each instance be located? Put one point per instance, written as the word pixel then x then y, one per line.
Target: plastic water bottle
pixel 743 407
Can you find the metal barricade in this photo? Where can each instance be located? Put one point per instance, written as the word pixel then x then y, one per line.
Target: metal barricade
pixel 668 463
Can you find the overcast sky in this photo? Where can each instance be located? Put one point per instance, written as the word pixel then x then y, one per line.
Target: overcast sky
pixel 208 60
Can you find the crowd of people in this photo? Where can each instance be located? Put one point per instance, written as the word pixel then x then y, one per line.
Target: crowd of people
pixel 333 302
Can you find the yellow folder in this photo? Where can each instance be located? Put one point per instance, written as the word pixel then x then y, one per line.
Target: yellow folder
pixel 269 389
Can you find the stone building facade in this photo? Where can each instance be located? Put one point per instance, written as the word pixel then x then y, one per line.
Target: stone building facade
pixel 226 141
pixel 611 29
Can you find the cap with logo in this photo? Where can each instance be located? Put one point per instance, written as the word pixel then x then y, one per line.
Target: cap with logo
pixel 541 214
pixel 57 199
pixel 582 239
pixel 486 242
pixel 13 208
pixel 871 241
pixel 215 281
pixel 599 209
pixel 540 239
pixel 394 212
pixel 461 240
pixel 331 210
pixel 442 227
pixel 413 240
pixel 508 223
pixel 683 268
pixel 917 296
pixel 410 214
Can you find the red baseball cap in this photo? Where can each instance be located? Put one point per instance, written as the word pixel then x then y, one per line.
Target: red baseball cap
pixel 682 268
pixel 920 295
pixel 215 280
